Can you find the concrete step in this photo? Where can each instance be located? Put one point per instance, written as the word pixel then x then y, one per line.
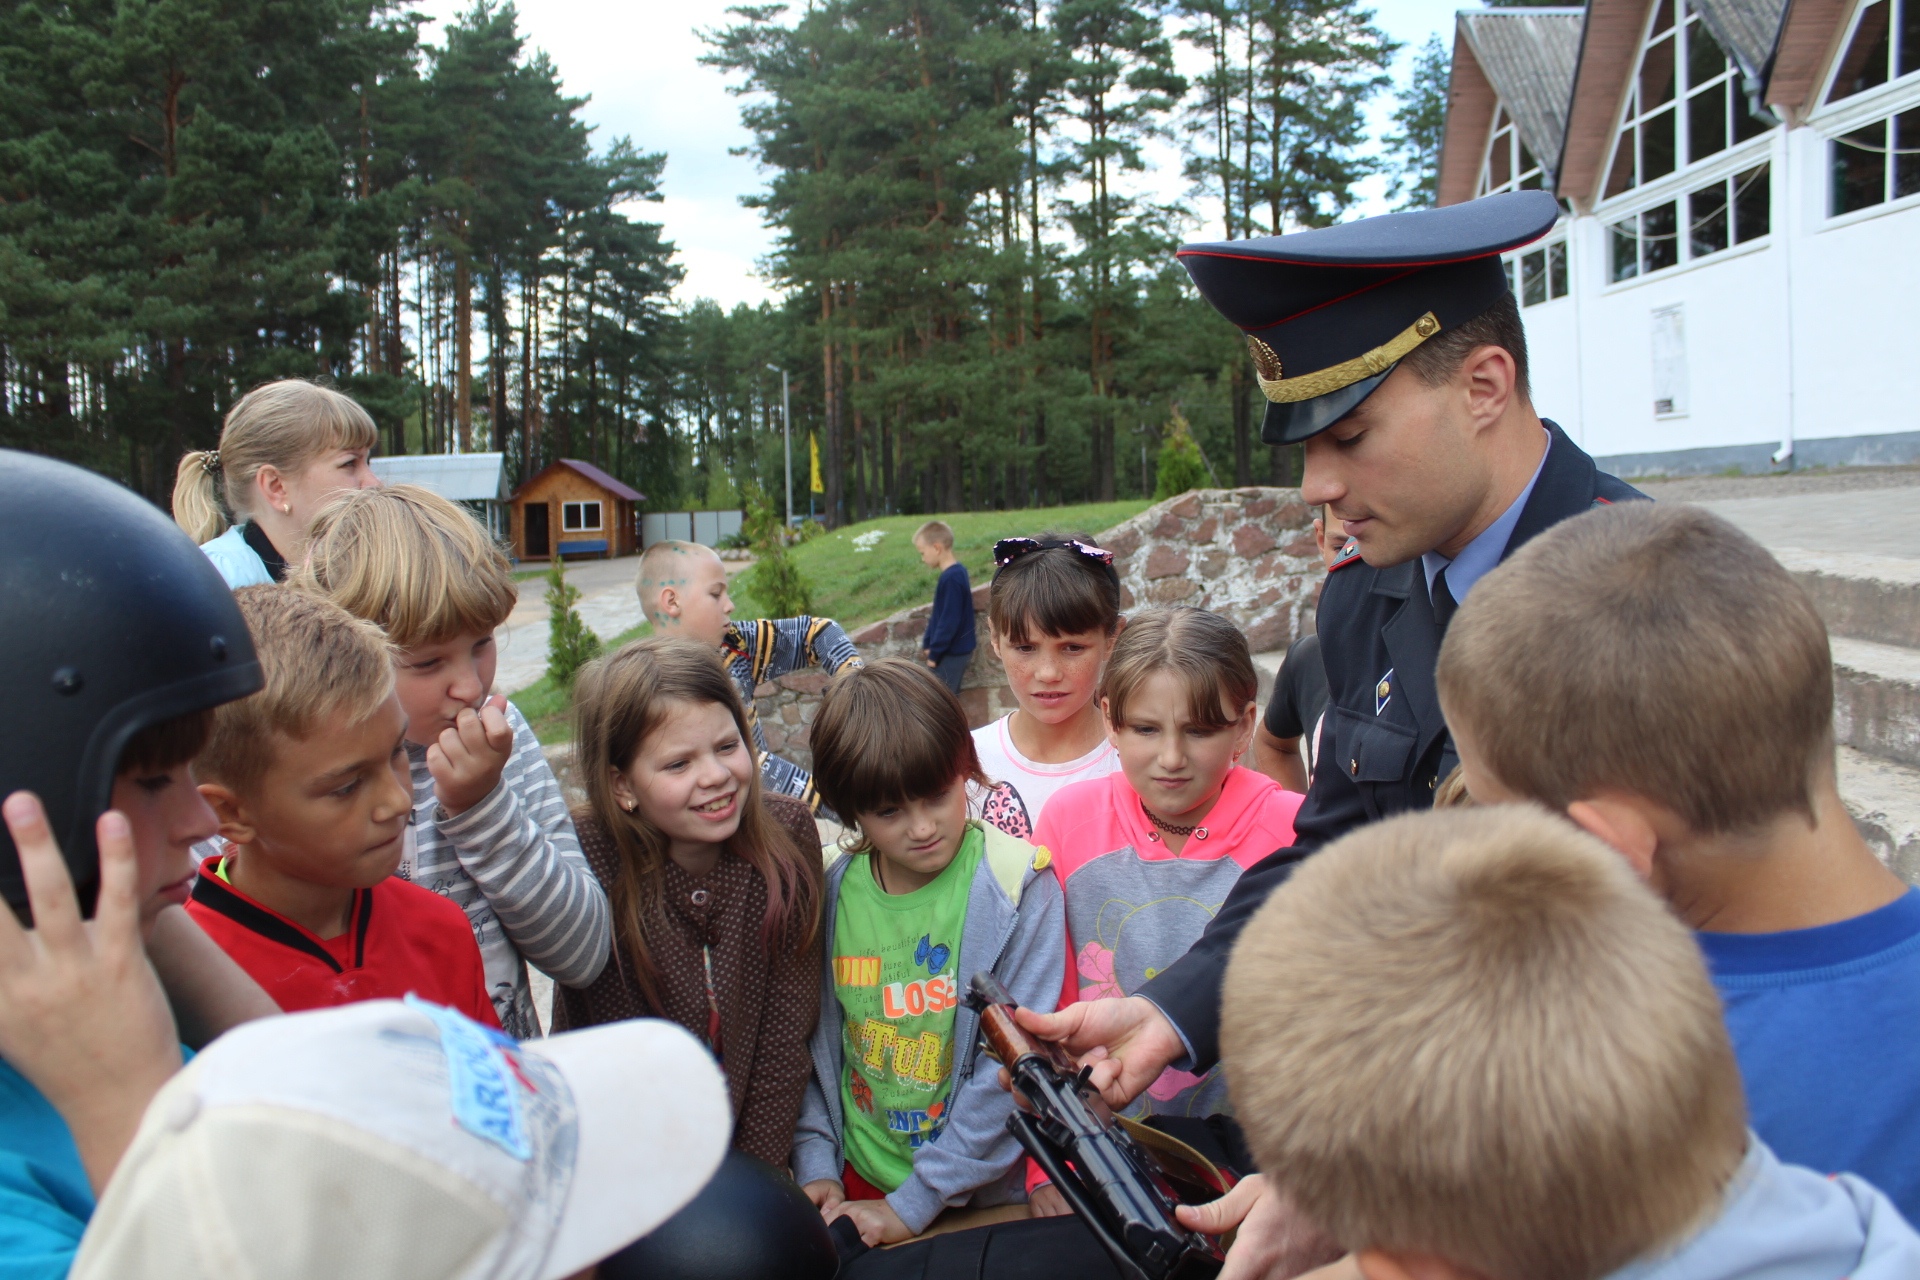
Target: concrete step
pixel 1884 799
pixel 1863 597
pixel 1876 699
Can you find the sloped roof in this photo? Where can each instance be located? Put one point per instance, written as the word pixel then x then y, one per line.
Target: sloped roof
pixel 615 487
pixel 1747 29
pixel 1528 55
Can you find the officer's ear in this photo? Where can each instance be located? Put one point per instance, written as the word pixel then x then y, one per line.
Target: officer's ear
pixel 1489 378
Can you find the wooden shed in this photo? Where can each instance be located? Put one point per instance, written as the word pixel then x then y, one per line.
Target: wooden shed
pixel 575 509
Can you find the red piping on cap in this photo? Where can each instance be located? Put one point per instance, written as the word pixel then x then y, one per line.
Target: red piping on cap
pixel 1355 266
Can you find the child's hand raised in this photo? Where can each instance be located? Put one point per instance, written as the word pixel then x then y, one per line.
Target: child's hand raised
pixel 467 761
pixel 82 1015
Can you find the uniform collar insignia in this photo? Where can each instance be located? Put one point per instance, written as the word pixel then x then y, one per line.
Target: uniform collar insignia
pixel 1348 554
pixel 1383 692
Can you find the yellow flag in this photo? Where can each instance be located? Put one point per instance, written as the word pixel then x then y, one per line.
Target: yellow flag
pixel 813 446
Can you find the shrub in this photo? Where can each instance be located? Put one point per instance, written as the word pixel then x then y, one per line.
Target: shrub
pixel 571 645
pixel 1180 467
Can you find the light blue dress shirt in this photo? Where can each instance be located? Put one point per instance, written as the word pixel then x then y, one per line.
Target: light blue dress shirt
pixel 1478 557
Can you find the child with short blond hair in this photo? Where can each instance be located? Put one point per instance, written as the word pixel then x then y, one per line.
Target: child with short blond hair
pixel 491 827
pixel 904 1115
pixel 683 591
pixel 1471 1046
pixel 308 779
pixel 1656 675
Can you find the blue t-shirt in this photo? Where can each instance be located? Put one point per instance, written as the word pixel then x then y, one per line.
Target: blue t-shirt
pixel 1826 1025
pixel 45 1199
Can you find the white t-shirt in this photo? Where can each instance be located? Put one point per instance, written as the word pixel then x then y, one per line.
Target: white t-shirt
pixel 1026 785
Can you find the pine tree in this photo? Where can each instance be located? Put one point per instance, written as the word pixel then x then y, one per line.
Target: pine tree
pixel 1421 121
pixel 571 644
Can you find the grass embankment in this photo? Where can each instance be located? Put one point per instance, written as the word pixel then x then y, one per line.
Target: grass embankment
pixel 856 587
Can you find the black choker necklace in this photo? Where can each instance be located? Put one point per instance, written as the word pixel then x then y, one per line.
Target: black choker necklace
pixel 1197 832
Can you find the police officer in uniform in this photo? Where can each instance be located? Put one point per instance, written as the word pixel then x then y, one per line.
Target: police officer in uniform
pixel 1391 348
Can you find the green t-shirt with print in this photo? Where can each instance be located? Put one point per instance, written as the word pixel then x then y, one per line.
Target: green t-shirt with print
pixel 894 962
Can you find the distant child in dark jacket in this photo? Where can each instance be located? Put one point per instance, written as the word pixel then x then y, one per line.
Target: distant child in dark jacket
pixel 715 879
pixel 683 591
pixel 949 638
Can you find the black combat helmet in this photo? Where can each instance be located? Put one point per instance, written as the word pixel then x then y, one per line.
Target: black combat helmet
pixel 111 621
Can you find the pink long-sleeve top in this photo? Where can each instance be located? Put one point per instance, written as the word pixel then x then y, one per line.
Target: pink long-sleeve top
pixel 1133 908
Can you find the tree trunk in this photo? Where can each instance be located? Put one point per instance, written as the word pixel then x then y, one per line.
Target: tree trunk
pixel 463 351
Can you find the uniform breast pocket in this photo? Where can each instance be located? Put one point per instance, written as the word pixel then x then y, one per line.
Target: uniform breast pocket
pixel 1372 753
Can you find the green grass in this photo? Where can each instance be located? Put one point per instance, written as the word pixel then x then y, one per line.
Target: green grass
pixel 857 587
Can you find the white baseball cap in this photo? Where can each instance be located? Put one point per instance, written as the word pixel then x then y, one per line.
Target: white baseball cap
pixel 400 1139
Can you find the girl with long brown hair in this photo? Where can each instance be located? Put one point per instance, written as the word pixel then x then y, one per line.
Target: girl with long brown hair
pixel 716 883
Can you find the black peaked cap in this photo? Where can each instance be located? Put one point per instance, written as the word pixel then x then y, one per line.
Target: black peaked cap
pixel 1336 308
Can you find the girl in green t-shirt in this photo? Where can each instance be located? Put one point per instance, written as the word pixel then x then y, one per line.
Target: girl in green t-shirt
pixel 901 1120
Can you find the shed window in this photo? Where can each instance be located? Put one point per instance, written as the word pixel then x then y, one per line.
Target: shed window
pixel 580 517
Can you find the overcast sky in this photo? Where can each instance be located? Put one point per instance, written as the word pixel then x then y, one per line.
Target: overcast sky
pixel 639 65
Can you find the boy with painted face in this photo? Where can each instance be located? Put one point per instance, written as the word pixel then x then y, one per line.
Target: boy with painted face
pixel 683 590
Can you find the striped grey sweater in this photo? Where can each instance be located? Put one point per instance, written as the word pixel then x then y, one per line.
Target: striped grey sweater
pixel 513 864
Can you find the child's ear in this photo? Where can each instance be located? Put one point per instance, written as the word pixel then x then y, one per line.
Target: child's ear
pixel 623 791
pixel 236 824
pixel 1619 822
pixel 1378 1264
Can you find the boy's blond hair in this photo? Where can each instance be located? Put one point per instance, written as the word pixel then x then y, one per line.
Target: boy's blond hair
pixel 1650 649
pixel 319 661
pixel 663 564
pixel 1476 1035
pixel 935 533
pixel 406 558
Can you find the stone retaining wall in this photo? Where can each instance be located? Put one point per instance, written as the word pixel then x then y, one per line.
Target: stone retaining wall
pixel 1245 553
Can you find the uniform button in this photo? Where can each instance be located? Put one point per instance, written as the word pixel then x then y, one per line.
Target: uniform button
pixel 1433 782
pixel 1353 767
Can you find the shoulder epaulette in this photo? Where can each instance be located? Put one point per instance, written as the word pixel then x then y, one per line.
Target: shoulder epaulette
pixel 1348 554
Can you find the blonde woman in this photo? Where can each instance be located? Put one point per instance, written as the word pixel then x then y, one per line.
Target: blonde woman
pixel 286 448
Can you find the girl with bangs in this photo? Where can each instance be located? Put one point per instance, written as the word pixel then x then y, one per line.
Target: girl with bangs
pixel 287 448
pixel 715 881
pixel 904 1116
pixel 1146 855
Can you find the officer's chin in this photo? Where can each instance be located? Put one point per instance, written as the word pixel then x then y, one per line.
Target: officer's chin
pixel 1384 548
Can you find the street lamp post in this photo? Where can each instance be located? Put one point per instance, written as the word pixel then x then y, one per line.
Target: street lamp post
pixel 786 428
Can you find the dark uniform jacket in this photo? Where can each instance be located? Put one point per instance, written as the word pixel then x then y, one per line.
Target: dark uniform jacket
pixel 1384 746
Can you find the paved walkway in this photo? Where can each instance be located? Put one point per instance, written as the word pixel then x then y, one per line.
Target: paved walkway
pixel 609 605
pixel 1871 511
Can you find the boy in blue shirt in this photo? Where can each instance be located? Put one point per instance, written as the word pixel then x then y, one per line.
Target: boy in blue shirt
pixel 1655 675
pixel 142 640
pixel 949 636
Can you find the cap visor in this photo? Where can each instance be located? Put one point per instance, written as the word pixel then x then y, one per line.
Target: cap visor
pixel 1292 423
pixel 654 1123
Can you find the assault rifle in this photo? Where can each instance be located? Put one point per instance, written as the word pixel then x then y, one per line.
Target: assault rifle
pixel 1122 1178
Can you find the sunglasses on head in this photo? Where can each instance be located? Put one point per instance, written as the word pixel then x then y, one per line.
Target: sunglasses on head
pixel 1007 550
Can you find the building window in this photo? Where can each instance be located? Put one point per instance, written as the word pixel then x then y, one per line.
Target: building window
pixel 1687 103
pixel 1509 165
pixel 1885 45
pixel 1539 275
pixel 580 517
pixel 1878 163
pixel 1724 213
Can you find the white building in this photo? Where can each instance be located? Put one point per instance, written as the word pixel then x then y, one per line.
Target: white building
pixel 1729 286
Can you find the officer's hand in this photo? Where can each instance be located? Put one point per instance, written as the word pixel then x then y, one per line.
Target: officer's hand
pixel 877 1222
pixel 82 1015
pixel 826 1194
pixel 467 761
pixel 1275 1242
pixel 1128 1042
pixel 1047 1202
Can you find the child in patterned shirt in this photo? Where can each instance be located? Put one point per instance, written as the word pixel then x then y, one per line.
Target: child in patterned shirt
pixel 683 590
